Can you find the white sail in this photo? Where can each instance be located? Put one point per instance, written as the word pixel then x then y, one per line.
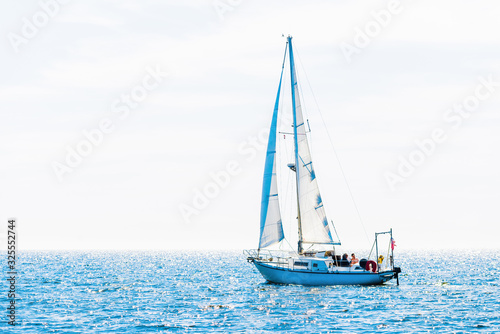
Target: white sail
pixel 313 223
pixel 271 228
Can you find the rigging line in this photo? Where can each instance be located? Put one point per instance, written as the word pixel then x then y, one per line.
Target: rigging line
pixel 334 151
pixel 293 250
pixel 303 104
pixel 371 250
pixel 388 253
pixel 277 157
pixel 335 230
pixel 287 192
pixel 281 157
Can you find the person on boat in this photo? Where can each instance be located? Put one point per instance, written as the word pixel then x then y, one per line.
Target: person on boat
pixel 354 260
pixel 345 261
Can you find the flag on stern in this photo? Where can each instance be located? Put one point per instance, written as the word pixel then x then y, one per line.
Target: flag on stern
pixel 393 243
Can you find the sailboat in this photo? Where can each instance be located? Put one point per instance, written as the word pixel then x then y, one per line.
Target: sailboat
pixel 315 262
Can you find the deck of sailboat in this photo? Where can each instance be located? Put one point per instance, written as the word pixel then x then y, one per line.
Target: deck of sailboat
pixel 307 270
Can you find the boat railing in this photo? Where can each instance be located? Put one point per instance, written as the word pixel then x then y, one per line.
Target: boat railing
pixel 276 257
pixel 284 260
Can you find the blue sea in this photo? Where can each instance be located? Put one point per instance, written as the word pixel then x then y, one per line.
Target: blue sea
pixel 150 292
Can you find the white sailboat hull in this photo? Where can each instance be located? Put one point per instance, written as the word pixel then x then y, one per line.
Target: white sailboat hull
pixel 287 276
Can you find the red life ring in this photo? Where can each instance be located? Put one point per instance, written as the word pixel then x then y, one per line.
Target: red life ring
pixel 371 266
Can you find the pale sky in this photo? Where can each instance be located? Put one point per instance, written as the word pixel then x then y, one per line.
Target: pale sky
pixel 174 92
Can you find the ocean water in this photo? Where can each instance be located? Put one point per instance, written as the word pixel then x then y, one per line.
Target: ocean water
pixel 148 292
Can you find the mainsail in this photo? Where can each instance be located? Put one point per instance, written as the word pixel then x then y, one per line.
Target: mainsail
pixel 313 224
pixel 271 228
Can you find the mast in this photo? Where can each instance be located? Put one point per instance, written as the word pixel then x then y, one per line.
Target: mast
pixel 293 79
